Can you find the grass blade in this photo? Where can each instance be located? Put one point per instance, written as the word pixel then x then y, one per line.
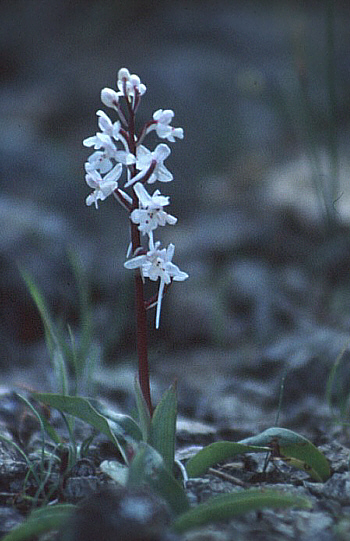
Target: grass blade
pixel 54 341
pixel 85 315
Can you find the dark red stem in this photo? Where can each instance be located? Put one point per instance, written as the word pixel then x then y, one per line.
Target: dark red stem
pixel 141 327
pixel 141 331
pixel 141 315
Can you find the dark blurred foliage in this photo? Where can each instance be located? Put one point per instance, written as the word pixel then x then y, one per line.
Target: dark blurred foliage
pixel 236 74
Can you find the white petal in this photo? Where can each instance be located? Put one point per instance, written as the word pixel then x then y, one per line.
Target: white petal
pixel 170 252
pixel 90 141
pixel 143 156
pixel 104 122
pixel 114 174
pixel 171 220
pixel 157 114
pixel 163 174
pixel 178 132
pixel 159 200
pixel 136 262
pixel 161 152
pixel 107 188
pixel 93 178
pixel 142 194
pixel 136 178
pixel 91 199
pixel 164 131
pixel 166 116
pixel 180 276
pixel 137 216
pixel 116 130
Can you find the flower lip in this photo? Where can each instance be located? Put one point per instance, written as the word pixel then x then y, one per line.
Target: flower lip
pixel 161 124
pixel 144 160
pixel 103 186
pixel 150 215
pixel 157 264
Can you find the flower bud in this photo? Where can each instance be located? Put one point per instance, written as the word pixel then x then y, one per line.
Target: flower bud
pixel 123 73
pixel 109 98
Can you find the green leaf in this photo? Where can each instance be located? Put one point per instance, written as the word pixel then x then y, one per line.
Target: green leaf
pixel 294 449
pixel 148 468
pixel 122 430
pixel 217 452
pixel 163 427
pixel 334 387
pixel 85 313
pixel 227 506
pixel 41 521
pixel 143 412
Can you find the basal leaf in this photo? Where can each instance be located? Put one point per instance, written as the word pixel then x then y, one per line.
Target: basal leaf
pixel 217 452
pixel 295 449
pixel 41 521
pixel 148 468
pixel 227 506
pixel 163 427
pixel 122 430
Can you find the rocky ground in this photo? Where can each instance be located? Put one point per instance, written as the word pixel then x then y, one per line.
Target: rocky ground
pixel 273 375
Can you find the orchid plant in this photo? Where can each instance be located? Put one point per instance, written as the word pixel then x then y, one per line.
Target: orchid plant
pixel 118 148
pixel 147 447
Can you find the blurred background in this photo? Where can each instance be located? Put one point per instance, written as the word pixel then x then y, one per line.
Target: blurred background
pixel 261 186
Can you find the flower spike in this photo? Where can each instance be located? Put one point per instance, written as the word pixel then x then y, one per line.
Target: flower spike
pixel 117 148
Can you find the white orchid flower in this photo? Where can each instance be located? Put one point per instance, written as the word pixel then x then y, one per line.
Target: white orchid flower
pixel 157 264
pixel 151 213
pixel 161 125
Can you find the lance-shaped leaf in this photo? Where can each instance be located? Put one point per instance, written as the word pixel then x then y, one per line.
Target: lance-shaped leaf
pixel 226 506
pixel 217 452
pixel 41 521
pixel 293 449
pixel 163 427
pixel 122 430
